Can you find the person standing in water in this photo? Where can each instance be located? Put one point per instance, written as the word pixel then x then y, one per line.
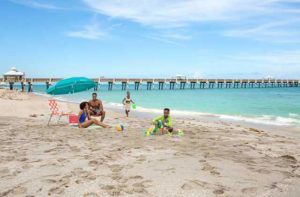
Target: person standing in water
pixel 127 103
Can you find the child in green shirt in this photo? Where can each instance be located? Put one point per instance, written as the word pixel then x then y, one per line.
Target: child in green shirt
pixel 164 122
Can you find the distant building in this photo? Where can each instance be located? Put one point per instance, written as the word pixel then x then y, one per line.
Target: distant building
pixel 179 77
pixel 13 75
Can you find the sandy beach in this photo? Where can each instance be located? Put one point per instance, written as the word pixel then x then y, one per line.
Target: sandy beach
pixel 213 158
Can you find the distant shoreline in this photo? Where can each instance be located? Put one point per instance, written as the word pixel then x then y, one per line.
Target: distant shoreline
pixel 142 113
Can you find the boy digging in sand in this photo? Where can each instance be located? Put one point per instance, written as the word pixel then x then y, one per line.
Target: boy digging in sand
pixel 164 122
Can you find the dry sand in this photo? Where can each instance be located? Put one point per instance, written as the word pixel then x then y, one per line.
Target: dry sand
pixel 211 159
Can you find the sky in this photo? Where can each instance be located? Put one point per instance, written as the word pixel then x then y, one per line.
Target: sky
pixel 151 38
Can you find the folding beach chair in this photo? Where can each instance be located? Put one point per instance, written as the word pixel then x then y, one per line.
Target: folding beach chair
pixel 54 111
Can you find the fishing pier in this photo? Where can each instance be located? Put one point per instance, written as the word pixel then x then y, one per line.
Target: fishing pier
pixel 160 84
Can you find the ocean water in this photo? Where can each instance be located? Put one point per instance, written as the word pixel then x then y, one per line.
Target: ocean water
pixel 277 106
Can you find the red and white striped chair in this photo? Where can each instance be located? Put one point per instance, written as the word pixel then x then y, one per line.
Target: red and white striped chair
pixel 55 111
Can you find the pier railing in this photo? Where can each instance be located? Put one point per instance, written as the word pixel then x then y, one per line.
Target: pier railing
pixel 168 83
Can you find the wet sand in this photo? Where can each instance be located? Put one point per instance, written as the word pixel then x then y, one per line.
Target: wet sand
pixel 213 158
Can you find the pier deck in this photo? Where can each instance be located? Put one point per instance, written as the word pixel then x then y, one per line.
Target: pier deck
pixel 169 83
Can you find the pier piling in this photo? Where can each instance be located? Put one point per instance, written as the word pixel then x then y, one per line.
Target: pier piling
pixel 161 85
pixel 110 86
pixel 182 85
pixel 11 85
pixel 172 85
pixel 192 85
pixel 149 85
pixel 22 86
pixel 202 85
pixel 29 86
pixel 220 84
pixel 136 85
pixel 235 84
pixel 124 85
pixel 259 84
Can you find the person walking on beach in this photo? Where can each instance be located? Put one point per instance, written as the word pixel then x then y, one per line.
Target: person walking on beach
pixel 84 119
pixel 164 122
pixel 96 107
pixel 127 103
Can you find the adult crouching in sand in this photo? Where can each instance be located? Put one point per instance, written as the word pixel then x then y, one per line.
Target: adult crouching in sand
pixel 84 119
pixel 96 107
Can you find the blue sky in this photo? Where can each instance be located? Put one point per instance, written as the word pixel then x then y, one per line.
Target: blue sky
pixel 151 38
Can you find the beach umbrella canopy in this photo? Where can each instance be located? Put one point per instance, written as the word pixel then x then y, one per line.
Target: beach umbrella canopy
pixel 71 85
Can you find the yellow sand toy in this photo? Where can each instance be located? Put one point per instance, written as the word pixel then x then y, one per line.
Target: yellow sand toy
pixel 151 131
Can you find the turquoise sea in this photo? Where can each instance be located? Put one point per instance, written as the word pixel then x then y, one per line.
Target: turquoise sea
pixel 278 106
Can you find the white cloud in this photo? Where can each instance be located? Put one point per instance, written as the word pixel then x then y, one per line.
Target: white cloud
pixel 36 4
pixel 254 19
pixel 180 12
pixel 283 31
pixel 90 32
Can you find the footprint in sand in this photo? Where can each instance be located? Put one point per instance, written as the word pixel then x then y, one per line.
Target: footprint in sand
pixel 263 171
pixel 56 190
pixel 116 168
pixel 82 174
pixel 19 190
pixel 112 190
pixel 141 159
pixel 49 181
pixel 211 169
pixel 93 163
pixel 51 150
pixel 136 177
pixel 27 166
pixel 250 190
pixel 200 185
pixel 62 160
pixel 64 180
pixel 90 195
pixel 218 191
pixel 118 178
pixel 4 172
pixel 194 184
pixel 289 159
pixel 139 187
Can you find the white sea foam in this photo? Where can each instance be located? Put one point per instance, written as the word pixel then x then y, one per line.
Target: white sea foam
pixel 267 120
pixel 264 119
pixel 293 119
pixel 294 115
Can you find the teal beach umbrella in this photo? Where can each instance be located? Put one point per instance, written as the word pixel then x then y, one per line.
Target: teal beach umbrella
pixel 71 85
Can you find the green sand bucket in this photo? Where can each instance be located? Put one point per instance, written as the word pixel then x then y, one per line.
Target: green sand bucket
pixel 133 106
pixel 180 133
